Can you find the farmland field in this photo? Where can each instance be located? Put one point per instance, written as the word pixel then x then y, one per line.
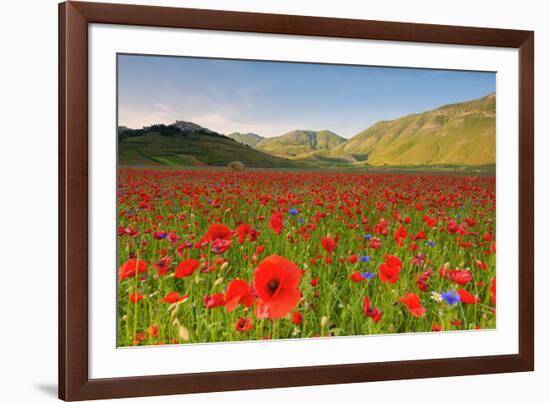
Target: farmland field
pixel 209 255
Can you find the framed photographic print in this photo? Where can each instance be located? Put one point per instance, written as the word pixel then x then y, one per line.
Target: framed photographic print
pixel 258 200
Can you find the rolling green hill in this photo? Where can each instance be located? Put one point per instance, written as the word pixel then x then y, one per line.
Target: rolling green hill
pixel 456 134
pixel 184 143
pixel 299 144
pixel 249 139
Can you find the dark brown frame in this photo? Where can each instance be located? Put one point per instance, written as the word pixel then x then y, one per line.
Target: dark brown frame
pixel 74 17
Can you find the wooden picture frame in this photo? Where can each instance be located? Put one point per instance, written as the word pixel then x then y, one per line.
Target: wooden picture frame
pixel 74 381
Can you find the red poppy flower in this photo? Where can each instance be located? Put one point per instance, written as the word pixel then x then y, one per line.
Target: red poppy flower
pixel 215 300
pixel 399 235
pixel 430 222
pixel 297 318
pixel 276 281
pixel 220 246
pixel 128 269
pixel 375 243
pixel 173 297
pixel 437 327
pixel 412 302
pixel 135 297
pixel 466 297
pixel 481 265
pixel 238 292
pixel 459 276
pixel 373 313
pixel 217 231
pixel 328 244
pixel 487 236
pixel 244 324
pixel 186 268
pixel 242 232
pixel 276 222
pixel 353 259
pixel 154 330
pixel 389 270
pixel 163 265
pixel 356 277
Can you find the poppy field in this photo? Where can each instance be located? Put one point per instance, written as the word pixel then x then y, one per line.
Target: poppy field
pixel 210 255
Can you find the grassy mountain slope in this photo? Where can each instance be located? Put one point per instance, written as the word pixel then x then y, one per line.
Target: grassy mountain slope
pixel 456 134
pixel 299 143
pixel 249 139
pixel 169 145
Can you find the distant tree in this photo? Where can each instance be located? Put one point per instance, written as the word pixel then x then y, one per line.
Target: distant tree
pixel 236 166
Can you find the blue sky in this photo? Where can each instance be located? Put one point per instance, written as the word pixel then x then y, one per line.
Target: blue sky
pixel 272 98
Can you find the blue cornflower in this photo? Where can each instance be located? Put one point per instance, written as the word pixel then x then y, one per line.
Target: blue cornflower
pixel 368 275
pixel 364 258
pixel 368 236
pixel 431 243
pixel 451 297
pixel 301 220
pixel 293 212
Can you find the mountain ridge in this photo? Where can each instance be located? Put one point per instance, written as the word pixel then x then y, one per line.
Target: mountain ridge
pixel 250 139
pixel 299 144
pixel 461 133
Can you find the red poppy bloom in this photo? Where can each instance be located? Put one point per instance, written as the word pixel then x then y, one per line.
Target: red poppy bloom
pixel 481 265
pixel 389 270
pixel 129 268
pixel 328 244
pixel 356 277
pixel 466 297
pixel 353 259
pixel 276 282
pixel 276 222
pixel 436 327
pixel 297 318
pixel 135 297
pixel 163 265
pixel 244 324
pixel 459 276
pixel 494 291
pixel 375 243
pixel 186 268
pixel 238 292
pixel 242 232
pixel 412 302
pixel 217 231
pixel 220 246
pixel 430 222
pixel 154 330
pixel 215 300
pixel 399 235
pixel 373 313
pixel 173 297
